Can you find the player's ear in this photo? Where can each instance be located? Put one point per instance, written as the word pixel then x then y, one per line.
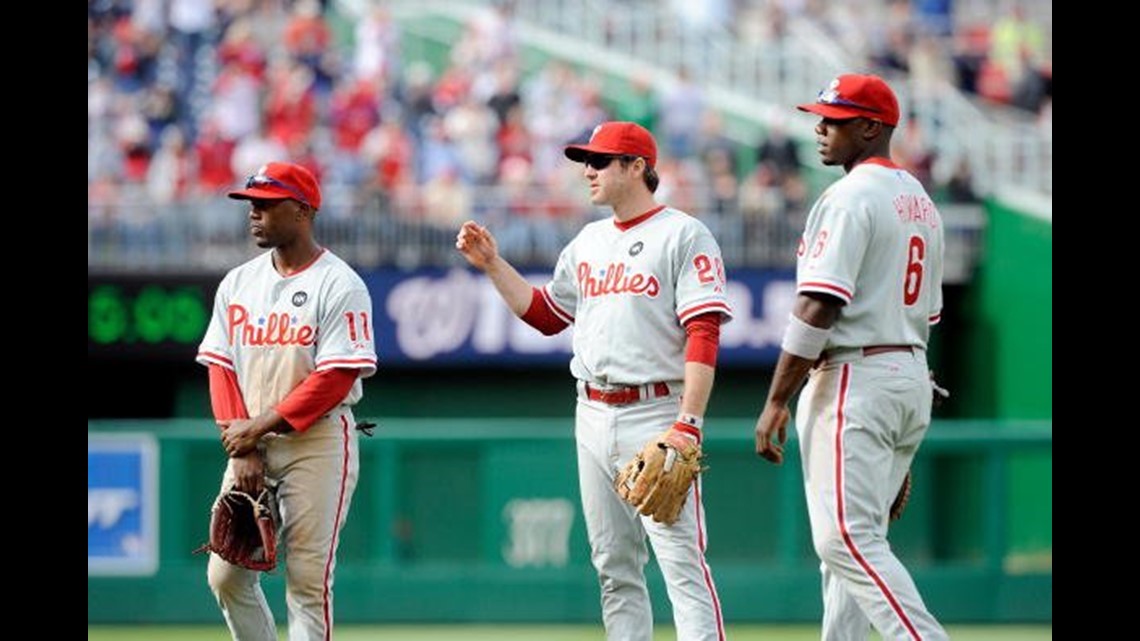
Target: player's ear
pixel 871 129
pixel 303 211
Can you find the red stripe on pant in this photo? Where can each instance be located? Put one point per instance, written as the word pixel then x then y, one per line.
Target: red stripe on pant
pixel 704 565
pixel 844 385
pixel 336 527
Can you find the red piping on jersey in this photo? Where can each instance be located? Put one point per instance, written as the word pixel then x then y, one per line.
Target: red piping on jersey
pixel 840 511
pixel 347 362
pixel 303 268
pixel 835 288
pixel 541 317
pixel 221 359
pixel 554 307
pixel 699 508
pixel 934 318
pixel 703 308
pixel 633 222
pixel 331 558
pixel 880 161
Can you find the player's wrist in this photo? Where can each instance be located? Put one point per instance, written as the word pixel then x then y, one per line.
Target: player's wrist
pixel 690 425
pixel 691 420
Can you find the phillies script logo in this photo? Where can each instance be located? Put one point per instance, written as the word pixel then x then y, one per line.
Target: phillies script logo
pixel 275 329
pixel 615 280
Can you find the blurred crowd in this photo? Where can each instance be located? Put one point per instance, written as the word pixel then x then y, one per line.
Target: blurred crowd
pixel 999 50
pixel 188 97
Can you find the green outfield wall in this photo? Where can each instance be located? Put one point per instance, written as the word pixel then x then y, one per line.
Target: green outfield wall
pixel 478 520
pixel 1009 337
pixel 1006 355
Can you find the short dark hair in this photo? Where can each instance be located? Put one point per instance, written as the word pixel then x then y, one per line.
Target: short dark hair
pixel 652 180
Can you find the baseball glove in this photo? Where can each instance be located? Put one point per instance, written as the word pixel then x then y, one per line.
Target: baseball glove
pixel 901 499
pixel 243 530
pixel 656 481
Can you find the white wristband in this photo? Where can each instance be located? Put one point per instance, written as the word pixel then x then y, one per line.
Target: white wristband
pixel 803 340
pixel 691 420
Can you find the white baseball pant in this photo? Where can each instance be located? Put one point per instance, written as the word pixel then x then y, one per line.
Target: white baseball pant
pixel 608 436
pixel 860 421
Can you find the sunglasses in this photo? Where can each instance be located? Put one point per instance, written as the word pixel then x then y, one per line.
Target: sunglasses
pixel 829 98
pixel 259 180
pixel 601 161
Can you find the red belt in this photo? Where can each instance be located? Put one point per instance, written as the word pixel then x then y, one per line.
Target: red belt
pixel 869 350
pixel 626 395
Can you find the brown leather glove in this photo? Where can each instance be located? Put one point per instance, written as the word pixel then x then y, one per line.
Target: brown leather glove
pixel 243 530
pixel 898 506
pixel 656 480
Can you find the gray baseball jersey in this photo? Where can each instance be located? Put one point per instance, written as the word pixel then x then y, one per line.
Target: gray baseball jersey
pixel 874 239
pixel 628 292
pixel 274 330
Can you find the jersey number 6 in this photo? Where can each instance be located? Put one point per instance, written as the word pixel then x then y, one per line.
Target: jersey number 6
pixel 912 281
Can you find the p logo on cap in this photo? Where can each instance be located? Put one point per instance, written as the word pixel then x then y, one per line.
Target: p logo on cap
pixel 280 180
pixel 856 96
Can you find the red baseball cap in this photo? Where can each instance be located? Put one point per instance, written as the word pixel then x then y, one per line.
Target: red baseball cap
pixel 617 139
pixel 856 96
pixel 280 180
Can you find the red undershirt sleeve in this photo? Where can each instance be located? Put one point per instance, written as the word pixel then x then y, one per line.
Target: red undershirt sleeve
pixel 541 317
pixel 703 333
pixel 225 394
pixel 315 396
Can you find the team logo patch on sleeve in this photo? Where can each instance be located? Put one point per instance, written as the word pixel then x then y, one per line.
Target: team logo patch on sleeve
pixel 299 298
pixel 636 248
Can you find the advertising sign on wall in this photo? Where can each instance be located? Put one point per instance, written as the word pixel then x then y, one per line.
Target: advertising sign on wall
pixel 122 504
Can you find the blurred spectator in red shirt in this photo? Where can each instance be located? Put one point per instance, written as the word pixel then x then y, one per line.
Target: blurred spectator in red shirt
pixel 214 153
pixel 391 152
pixel 355 110
pixel 239 47
pixel 290 107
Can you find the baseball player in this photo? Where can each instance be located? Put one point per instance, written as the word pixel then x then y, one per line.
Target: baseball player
pixel 646 293
pixel 869 282
pixel 289 340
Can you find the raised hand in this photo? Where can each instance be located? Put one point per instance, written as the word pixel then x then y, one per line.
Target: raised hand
pixel 477 245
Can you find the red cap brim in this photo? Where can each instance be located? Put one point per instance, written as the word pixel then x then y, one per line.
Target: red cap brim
pixel 260 193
